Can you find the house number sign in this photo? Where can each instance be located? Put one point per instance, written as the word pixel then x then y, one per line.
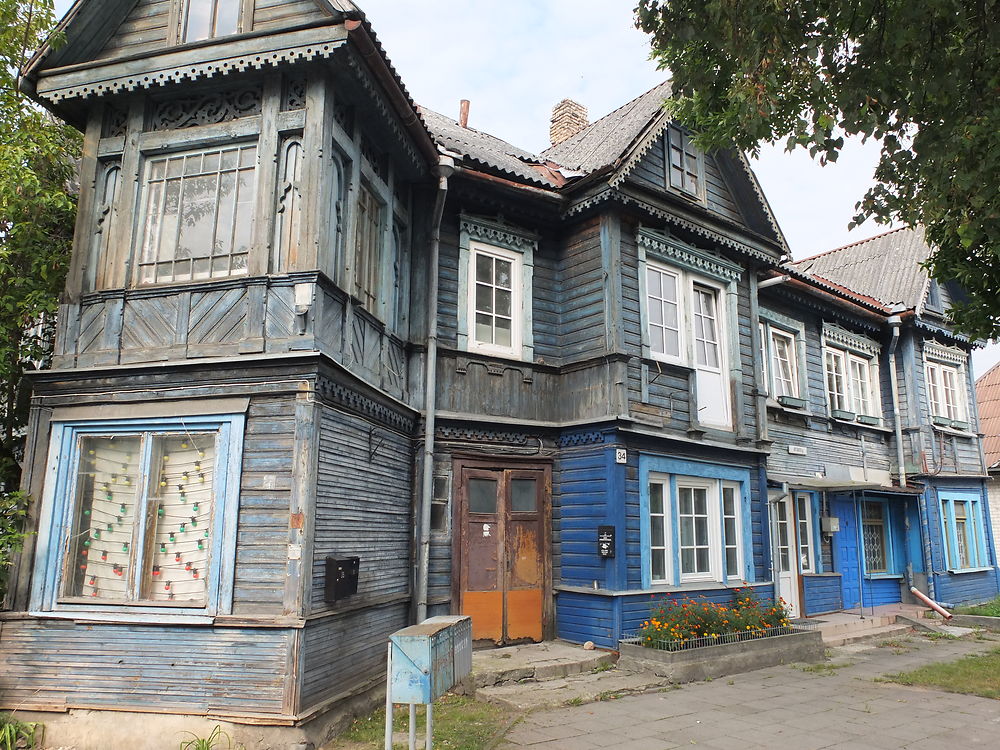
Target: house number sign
pixel 606 541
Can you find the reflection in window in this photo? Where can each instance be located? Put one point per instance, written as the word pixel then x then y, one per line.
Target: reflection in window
pixel 198 215
pixel 206 19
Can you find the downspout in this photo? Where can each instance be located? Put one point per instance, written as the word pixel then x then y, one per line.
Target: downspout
pixel 446 167
pixel 895 322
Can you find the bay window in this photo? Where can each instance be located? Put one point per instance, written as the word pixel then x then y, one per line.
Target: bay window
pixel 197 214
pixel 138 514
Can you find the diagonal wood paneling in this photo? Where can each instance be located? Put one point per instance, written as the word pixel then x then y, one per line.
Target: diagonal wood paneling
pixel 281 324
pixel 149 326
pixel 218 317
pixel 92 320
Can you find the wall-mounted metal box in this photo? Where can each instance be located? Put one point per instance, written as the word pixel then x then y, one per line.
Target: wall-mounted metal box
pixel 429 659
pixel 830 524
pixel 341 578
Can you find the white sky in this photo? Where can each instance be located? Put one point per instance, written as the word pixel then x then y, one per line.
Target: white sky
pixel 515 59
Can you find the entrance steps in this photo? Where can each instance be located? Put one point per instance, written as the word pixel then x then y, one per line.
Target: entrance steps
pixel 851 626
pixel 553 673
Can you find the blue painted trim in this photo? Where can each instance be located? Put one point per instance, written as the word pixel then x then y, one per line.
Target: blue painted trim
pixel 59 501
pixel 946 504
pixel 675 534
pixel 816 532
pixel 746 533
pixel 645 539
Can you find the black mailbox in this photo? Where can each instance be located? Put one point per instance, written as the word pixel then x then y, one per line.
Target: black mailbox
pixel 606 541
pixel 341 578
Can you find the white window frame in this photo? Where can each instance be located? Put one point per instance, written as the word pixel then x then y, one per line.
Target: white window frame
pixel 852 401
pixel 772 365
pixel 670 521
pixel 677 139
pixel 677 276
pixel 839 400
pixel 942 401
pixel 58 509
pixel 147 220
pixel 476 250
pixel 803 535
pixel 185 13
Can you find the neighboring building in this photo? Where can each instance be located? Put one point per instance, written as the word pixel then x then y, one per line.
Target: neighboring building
pixel 273 241
pixel 988 398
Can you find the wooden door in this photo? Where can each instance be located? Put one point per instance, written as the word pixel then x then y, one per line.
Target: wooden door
pixel 501 551
pixel 793 552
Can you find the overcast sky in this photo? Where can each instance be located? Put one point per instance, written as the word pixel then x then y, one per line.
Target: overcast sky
pixel 515 59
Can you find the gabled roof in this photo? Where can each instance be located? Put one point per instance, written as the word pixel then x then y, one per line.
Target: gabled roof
pixel 886 267
pixel 489 150
pixel 608 140
pixel 988 398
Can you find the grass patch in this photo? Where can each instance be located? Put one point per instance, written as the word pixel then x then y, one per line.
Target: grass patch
pixel 825 668
pixel 460 723
pixel 940 637
pixel 990 609
pixel 971 675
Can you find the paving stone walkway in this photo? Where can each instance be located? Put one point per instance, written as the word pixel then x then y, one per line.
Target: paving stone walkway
pixel 838 706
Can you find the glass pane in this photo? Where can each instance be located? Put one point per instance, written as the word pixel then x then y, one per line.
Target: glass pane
pixel 181 484
pixel 686 503
pixel 503 276
pixel 439 516
pixel 656 532
pixel 484 269
pixel 728 501
pixel 484 329
pixel 687 561
pixel 659 560
pixel 653 287
pixel 701 502
pixel 732 562
pixel 523 496
pixel 503 302
pixel 730 530
pixel 703 560
pixel 701 531
pixel 482 496
pixel 687 532
pixel 672 343
pixel 503 332
pixel 101 550
pixel 656 498
pixel 484 298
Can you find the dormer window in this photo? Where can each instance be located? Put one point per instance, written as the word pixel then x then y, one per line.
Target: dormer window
pixel 207 19
pixel 685 164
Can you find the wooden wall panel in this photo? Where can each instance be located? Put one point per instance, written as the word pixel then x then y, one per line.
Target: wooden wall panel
pixel 581 275
pixel 48 664
pixel 145 29
pixel 278 14
pixel 363 506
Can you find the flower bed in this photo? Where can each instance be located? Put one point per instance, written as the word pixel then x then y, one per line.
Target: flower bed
pixel 695 623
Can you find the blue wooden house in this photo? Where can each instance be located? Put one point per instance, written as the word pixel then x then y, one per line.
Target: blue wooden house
pixel 310 326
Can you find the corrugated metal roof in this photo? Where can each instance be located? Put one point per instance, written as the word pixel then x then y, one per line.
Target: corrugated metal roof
pixel 886 267
pixel 487 149
pixel 604 141
pixel 988 398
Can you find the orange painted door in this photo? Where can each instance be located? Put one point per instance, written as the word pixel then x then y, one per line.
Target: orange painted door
pixel 502 561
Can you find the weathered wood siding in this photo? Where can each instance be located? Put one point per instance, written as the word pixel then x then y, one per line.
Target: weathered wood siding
pixel 145 29
pixel 265 491
pixel 650 173
pixel 57 665
pixel 581 293
pixel 282 14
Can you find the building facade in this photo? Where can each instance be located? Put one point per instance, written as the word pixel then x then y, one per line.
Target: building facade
pixel 308 321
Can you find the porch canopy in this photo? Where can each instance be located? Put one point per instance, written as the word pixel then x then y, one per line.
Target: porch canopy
pixel 839 485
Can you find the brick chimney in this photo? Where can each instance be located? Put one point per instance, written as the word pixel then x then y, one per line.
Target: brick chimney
pixel 568 119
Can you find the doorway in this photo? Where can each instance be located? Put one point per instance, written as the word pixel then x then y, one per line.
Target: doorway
pixel 500 551
pixel 793 548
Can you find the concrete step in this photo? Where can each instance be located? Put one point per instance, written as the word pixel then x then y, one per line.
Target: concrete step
pixel 835 628
pixel 573 690
pixel 864 634
pixel 534 662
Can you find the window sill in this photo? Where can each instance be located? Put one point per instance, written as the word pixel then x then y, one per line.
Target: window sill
pixel 883 577
pixel 125 618
pixel 953 431
pixel 778 406
pixel 509 355
pixel 862 426
pixel 960 571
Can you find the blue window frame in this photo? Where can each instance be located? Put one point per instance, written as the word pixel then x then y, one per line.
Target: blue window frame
pixel 694 523
pixel 138 518
pixel 963 530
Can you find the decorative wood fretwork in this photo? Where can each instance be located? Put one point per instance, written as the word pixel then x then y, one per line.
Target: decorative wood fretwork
pixel 344 115
pixel 115 122
pixel 374 158
pixel 498 232
pixel 844 339
pixel 205 109
pixel 472 435
pixel 580 438
pixel 672 249
pixel 294 96
pixel 343 396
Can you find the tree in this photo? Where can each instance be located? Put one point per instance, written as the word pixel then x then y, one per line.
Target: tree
pixel 921 77
pixel 37 213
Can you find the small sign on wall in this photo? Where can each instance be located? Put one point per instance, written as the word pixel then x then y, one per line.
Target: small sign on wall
pixel 606 541
pixel 621 456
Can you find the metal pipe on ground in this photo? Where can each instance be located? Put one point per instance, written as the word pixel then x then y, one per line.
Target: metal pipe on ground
pixel 931 603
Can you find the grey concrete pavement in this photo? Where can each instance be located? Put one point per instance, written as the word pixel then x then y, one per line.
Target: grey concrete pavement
pixel 838 706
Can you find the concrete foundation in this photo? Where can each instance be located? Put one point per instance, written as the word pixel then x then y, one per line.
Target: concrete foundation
pixel 730 658
pixel 80 729
pixel 976 621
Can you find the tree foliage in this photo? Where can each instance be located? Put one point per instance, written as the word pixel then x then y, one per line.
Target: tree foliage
pixel 37 212
pixel 921 77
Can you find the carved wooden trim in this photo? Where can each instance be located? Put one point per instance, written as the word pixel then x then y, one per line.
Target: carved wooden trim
pixel 206 109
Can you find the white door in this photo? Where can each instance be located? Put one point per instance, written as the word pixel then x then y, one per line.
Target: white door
pixel 793 548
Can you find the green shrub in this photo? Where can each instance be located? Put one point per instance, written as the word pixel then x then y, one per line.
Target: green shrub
pixel 18 734
pixel 214 741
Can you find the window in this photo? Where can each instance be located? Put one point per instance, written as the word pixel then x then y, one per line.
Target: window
pixel 664 314
pixel 495 300
pixel 207 19
pixel 703 539
pixel 139 513
pixel 873 532
pixel 804 538
pixel 852 384
pixel 685 325
pixel 685 163
pixel 439 502
pixel 945 391
pixel 198 215
pixel 962 527
pixel 368 248
pixel 783 367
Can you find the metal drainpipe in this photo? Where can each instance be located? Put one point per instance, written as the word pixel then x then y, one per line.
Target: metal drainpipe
pixel 446 167
pixel 895 321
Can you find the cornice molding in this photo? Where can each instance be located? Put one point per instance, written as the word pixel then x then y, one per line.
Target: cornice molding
pixel 844 339
pixel 669 248
pixel 498 232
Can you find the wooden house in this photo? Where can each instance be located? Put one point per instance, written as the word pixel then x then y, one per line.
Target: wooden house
pixel 308 321
pixel 988 401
